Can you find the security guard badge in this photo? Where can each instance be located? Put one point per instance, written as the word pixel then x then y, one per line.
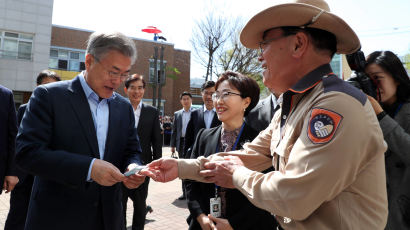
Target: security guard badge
pixel 323 124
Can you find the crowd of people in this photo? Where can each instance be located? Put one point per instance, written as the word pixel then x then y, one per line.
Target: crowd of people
pixel 317 153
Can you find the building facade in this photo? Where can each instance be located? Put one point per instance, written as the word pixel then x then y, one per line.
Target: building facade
pixel 25 30
pixel 67 56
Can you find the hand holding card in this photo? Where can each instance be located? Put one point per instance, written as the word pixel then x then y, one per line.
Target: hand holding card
pixel 135 170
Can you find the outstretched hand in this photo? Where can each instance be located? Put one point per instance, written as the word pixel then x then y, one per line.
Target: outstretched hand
pixel 162 170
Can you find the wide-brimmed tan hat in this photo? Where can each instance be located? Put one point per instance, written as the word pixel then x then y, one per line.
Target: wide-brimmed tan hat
pixel 300 13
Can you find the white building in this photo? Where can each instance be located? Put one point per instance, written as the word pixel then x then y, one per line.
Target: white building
pixel 25 35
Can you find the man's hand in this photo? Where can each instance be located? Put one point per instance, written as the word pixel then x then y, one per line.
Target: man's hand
pixel 134 180
pixel 375 104
pixel 220 172
pixel 205 222
pixel 105 173
pixel 220 223
pixel 9 183
pixel 162 170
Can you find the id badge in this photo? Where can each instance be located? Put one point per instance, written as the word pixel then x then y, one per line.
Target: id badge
pixel 215 206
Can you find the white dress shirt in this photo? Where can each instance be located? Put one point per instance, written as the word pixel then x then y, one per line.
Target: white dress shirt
pixel 208 117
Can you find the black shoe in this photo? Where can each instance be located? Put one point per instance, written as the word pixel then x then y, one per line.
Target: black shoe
pixel 182 197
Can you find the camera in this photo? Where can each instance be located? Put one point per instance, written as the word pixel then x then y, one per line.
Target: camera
pixel 359 79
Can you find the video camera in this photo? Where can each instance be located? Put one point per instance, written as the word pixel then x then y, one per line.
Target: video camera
pixel 359 79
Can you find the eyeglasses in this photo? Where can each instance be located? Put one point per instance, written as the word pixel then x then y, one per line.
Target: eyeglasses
pixel 207 93
pixel 263 44
pixel 112 74
pixel 224 95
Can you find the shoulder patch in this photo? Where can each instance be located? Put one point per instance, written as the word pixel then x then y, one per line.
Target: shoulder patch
pixel 323 124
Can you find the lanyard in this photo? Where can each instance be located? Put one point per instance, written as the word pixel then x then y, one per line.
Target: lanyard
pixel 236 142
pixel 233 149
pixel 398 109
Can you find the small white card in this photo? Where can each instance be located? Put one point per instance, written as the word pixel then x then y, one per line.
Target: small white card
pixel 135 170
pixel 215 206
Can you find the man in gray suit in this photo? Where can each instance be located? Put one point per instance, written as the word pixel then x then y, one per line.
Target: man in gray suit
pixel 149 133
pixel 181 119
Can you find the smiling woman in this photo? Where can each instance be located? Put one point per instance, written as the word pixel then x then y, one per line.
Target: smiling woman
pixel 234 97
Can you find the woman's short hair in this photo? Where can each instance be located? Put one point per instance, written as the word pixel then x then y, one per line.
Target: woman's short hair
pixel 390 63
pixel 245 85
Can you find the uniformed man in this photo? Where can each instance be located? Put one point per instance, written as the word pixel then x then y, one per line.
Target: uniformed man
pixel 324 142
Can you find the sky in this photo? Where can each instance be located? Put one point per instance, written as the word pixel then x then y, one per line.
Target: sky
pixel 380 24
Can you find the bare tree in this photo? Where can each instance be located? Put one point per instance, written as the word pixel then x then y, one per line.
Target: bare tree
pixel 237 57
pixel 208 36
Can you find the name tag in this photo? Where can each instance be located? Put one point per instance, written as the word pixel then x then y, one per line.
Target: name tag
pixel 215 206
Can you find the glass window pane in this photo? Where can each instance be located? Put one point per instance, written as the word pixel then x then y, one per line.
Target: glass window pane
pixel 53 53
pixel 53 63
pixel 63 54
pixel 74 66
pixel 26 36
pixel 74 55
pixel 11 35
pixel 10 48
pixel 82 56
pixel 24 50
pixel 62 64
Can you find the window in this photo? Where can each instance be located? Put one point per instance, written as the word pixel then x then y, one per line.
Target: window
pixel 66 59
pixel 152 70
pixel 16 45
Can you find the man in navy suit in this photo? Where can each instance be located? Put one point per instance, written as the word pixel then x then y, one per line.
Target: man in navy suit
pixel 20 196
pixel 204 117
pixel 149 133
pixel 8 131
pixel 78 137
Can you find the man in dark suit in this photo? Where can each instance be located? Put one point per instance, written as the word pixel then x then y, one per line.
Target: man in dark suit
pixel 20 196
pixel 204 117
pixel 181 119
pixel 77 137
pixel 149 133
pixel 260 116
pixel 8 131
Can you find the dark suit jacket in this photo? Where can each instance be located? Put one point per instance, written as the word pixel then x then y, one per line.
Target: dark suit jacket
pixel 8 131
pixel 57 142
pixel 20 113
pixel 260 116
pixel 195 124
pixel 239 210
pixel 149 133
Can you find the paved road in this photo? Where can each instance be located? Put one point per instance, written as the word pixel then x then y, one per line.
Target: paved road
pixel 169 213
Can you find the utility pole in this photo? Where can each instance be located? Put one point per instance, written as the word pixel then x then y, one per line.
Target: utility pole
pixel 161 77
pixel 155 80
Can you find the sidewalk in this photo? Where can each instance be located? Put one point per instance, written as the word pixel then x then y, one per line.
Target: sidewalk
pixel 169 213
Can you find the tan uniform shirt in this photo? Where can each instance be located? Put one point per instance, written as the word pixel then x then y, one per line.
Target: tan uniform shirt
pixel 328 145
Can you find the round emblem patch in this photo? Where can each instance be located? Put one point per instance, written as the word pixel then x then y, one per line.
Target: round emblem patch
pixel 322 125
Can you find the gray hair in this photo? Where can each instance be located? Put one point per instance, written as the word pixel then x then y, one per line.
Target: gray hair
pixel 100 44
